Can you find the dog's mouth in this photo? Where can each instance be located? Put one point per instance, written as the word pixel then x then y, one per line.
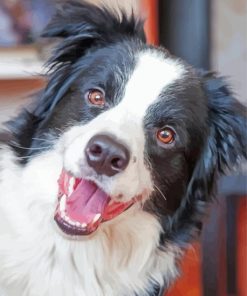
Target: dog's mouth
pixel 83 206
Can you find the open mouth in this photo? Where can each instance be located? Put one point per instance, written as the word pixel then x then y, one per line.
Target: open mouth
pixel 83 206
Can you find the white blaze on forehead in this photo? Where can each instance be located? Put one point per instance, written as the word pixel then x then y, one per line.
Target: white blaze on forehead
pixel 153 73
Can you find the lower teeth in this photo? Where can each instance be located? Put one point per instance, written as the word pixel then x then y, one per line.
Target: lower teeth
pixel 73 223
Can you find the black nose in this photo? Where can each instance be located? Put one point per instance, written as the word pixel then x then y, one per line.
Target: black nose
pixel 106 156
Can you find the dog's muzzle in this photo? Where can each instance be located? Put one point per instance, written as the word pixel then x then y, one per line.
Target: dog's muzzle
pixel 82 204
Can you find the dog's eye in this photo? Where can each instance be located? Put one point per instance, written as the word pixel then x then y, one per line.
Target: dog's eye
pixel 96 97
pixel 166 135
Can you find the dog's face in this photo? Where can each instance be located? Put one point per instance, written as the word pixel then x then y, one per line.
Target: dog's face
pixel 134 110
pixel 135 124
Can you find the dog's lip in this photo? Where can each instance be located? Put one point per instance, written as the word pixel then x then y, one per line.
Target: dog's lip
pixel 83 206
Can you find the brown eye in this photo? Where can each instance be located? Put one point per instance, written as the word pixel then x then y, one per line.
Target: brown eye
pixel 96 97
pixel 166 135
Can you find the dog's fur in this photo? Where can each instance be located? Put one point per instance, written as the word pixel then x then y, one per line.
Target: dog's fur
pixel 146 89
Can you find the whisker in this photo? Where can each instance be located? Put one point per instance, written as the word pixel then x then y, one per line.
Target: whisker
pixel 161 193
pixel 29 148
pixel 24 157
pixel 40 139
pixel 59 130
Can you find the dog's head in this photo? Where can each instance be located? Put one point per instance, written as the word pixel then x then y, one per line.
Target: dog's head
pixel 134 125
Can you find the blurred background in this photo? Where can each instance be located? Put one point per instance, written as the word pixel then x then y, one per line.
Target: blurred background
pixel 209 34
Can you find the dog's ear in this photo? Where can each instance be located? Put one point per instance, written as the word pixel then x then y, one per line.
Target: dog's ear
pixel 226 143
pixel 76 18
pixel 224 147
pixel 83 25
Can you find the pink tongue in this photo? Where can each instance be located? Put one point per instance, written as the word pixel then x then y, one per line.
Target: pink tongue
pixel 86 203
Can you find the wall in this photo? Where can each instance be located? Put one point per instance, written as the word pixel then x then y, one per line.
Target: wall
pixel 229 42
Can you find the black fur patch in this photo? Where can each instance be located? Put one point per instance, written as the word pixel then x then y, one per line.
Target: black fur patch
pixel 90 46
pixel 223 146
pixel 173 166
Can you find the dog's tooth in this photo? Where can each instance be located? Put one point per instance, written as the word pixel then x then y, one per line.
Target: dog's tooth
pixel 83 225
pixel 72 223
pixel 66 218
pixel 71 185
pixel 96 217
pixel 63 215
pixel 62 203
pixel 78 224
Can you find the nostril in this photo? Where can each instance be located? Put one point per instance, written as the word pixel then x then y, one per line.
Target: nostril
pixel 106 155
pixel 117 163
pixel 95 149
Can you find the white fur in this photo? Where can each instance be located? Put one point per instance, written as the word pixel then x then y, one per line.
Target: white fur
pixel 122 255
pixel 36 259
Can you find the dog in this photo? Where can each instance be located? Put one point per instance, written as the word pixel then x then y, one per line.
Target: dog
pixel 107 176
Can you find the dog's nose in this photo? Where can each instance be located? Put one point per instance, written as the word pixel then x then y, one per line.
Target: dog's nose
pixel 107 156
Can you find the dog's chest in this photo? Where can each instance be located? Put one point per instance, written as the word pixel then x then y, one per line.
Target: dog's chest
pixel 110 263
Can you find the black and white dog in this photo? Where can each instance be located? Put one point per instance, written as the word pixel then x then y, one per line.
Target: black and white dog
pixel 106 178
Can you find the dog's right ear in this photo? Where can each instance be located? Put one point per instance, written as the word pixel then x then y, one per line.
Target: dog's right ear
pixel 83 18
pixel 83 25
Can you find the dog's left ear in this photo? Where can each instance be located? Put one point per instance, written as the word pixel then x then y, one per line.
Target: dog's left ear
pixel 227 138
pixel 224 147
pixel 226 143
